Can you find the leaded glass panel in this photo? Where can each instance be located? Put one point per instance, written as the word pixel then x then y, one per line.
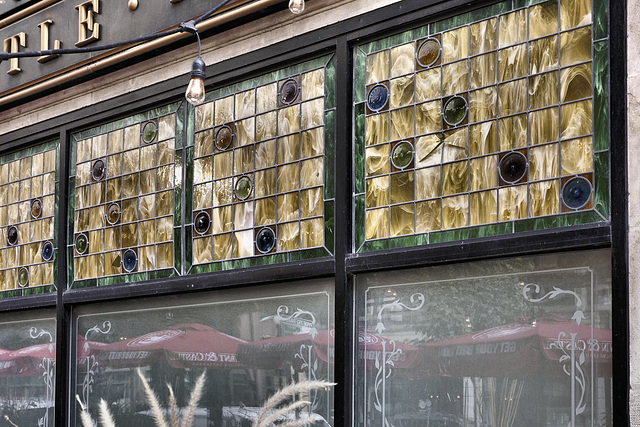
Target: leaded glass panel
pixel 494 116
pixel 263 166
pixel 124 199
pixel 28 207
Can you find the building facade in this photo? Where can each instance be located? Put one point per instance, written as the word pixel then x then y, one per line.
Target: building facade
pixel 426 205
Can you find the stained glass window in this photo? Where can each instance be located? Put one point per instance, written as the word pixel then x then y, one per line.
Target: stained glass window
pixel 262 181
pixel 125 199
pixel 28 244
pixel 487 123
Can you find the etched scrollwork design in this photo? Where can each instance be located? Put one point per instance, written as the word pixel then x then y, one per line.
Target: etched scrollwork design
pixel 382 364
pixel 48 366
pixel 397 304
pixel 578 316
pixel 283 314
pixel 92 362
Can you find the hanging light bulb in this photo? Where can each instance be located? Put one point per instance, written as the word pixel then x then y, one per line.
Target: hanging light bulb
pixel 195 91
pixel 296 6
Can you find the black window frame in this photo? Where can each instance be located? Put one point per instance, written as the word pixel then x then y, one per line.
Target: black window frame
pixel 339 39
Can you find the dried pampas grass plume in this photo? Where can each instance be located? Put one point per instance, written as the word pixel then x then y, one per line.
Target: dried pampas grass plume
pixel 106 418
pixel 271 412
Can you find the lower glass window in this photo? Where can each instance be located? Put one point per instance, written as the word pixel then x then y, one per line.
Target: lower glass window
pixel 508 342
pixel 248 344
pixel 27 369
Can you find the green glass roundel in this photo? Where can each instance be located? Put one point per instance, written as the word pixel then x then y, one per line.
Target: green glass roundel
pixel 82 243
pixel 243 187
pixel 455 110
pixel 149 132
pixel 23 277
pixel 428 52
pixel 402 155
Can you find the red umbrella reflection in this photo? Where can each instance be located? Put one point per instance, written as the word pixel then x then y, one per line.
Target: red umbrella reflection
pixel 522 349
pixel 183 346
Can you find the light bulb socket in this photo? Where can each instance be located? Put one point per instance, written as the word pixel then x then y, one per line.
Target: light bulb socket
pixel 197 69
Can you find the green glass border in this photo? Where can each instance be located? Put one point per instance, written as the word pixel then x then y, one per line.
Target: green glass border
pixel 330 84
pixel 330 154
pixel 601 98
pixel 177 108
pixel 600 211
pixel 264 79
pixel 600 19
pixel 136 118
pixel 27 152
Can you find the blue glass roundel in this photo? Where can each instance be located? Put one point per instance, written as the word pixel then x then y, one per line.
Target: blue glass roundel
pixel 576 192
pixel 47 251
pixel 129 260
pixel 265 240
pixel 378 97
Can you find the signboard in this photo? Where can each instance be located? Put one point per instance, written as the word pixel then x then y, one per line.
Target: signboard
pixel 77 23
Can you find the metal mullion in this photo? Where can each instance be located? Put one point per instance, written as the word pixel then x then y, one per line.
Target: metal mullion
pixel 344 294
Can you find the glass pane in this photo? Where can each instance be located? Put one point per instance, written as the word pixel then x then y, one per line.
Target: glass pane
pixel 436 347
pixel 268 169
pixel 28 370
pixel 131 194
pixel 511 92
pixel 28 245
pixel 226 352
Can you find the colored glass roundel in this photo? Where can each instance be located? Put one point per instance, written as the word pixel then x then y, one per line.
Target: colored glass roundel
pixel 202 222
pixel 428 52
pixel 97 170
pixel 129 260
pixel 149 132
pixel 289 91
pixel 576 193
pixel 113 213
pixel 455 110
pixel 513 167
pixel 36 208
pixel 47 251
pixel 23 277
pixel 265 240
pixel 82 244
pixel 378 97
pixel 243 187
pixel 224 137
pixel 402 155
pixel 12 235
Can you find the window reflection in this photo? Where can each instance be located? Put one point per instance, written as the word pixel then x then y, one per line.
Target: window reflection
pixel 249 348
pixel 501 343
pixel 28 372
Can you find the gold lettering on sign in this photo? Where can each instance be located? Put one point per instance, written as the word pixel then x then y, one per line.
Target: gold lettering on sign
pixel 12 45
pixel 86 24
pixel 44 41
